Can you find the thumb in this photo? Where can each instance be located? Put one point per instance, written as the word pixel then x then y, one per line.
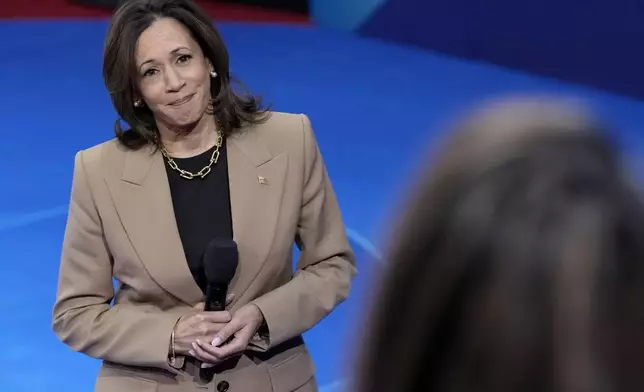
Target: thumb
pixel 226 332
pixel 200 306
pixel 230 298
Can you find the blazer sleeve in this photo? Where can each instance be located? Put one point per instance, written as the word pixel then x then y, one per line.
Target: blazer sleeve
pixel 82 316
pixel 326 265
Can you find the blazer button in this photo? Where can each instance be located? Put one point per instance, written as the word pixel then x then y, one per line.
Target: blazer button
pixel 223 386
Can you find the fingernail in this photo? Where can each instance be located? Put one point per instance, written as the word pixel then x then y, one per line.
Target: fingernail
pixel 216 341
pixel 194 345
pixel 192 353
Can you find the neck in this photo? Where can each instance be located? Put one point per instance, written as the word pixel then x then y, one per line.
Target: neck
pixel 185 142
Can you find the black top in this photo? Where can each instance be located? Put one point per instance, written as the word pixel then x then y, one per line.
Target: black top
pixel 201 207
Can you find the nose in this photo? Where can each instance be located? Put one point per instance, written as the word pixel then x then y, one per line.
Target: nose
pixel 173 80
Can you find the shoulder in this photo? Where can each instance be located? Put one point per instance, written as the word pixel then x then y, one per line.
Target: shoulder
pixel 285 121
pixel 282 132
pixel 105 155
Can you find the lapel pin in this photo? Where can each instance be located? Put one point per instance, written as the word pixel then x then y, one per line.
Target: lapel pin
pixel 262 180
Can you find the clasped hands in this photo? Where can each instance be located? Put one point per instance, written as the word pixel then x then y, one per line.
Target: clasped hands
pixel 212 337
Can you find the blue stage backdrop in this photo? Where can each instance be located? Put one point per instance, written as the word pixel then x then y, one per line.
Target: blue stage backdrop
pixel 591 42
pixel 343 14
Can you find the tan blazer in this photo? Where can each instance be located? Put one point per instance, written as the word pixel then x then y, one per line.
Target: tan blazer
pixel 121 224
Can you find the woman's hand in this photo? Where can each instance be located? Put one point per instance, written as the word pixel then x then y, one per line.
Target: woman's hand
pixel 243 326
pixel 199 326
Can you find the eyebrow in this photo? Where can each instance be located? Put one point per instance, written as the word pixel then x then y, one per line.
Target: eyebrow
pixel 174 51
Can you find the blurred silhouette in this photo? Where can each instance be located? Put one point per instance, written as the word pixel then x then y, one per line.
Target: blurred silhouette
pixel 518 264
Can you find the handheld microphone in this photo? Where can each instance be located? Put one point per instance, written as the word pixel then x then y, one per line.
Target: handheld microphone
pixel 220 263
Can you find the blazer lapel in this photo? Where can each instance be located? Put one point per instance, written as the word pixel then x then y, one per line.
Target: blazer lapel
pixel 143 201
pixel 144 204
pixel 256 180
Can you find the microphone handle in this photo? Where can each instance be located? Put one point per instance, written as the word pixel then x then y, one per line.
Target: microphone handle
pixel 216 297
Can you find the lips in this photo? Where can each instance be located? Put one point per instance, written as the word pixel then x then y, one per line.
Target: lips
pixel 181 101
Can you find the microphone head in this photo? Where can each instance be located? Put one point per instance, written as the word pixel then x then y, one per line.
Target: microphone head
pixel 220 260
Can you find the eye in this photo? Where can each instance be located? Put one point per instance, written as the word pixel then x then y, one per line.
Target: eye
pixel 150 72
pixel 184 58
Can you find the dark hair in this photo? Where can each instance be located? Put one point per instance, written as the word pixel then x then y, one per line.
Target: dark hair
pixel 519 267
pixel 232 111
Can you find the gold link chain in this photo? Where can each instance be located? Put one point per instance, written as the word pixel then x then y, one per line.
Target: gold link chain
pixel 205 170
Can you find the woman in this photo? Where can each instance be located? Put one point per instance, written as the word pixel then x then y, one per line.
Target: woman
pixel 519 264
pixel 199 162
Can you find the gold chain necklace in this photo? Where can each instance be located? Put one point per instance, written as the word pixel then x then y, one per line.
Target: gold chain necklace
pixel 205 170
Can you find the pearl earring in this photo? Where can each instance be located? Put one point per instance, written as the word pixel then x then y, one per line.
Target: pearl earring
pixel 138 103
pixel 213 74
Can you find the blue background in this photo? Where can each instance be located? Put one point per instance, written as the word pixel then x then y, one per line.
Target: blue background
pixel 591 42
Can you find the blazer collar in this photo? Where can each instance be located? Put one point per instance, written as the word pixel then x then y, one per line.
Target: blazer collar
pixel 146 210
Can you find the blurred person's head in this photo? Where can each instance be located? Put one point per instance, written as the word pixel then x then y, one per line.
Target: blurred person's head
pixel 518 264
